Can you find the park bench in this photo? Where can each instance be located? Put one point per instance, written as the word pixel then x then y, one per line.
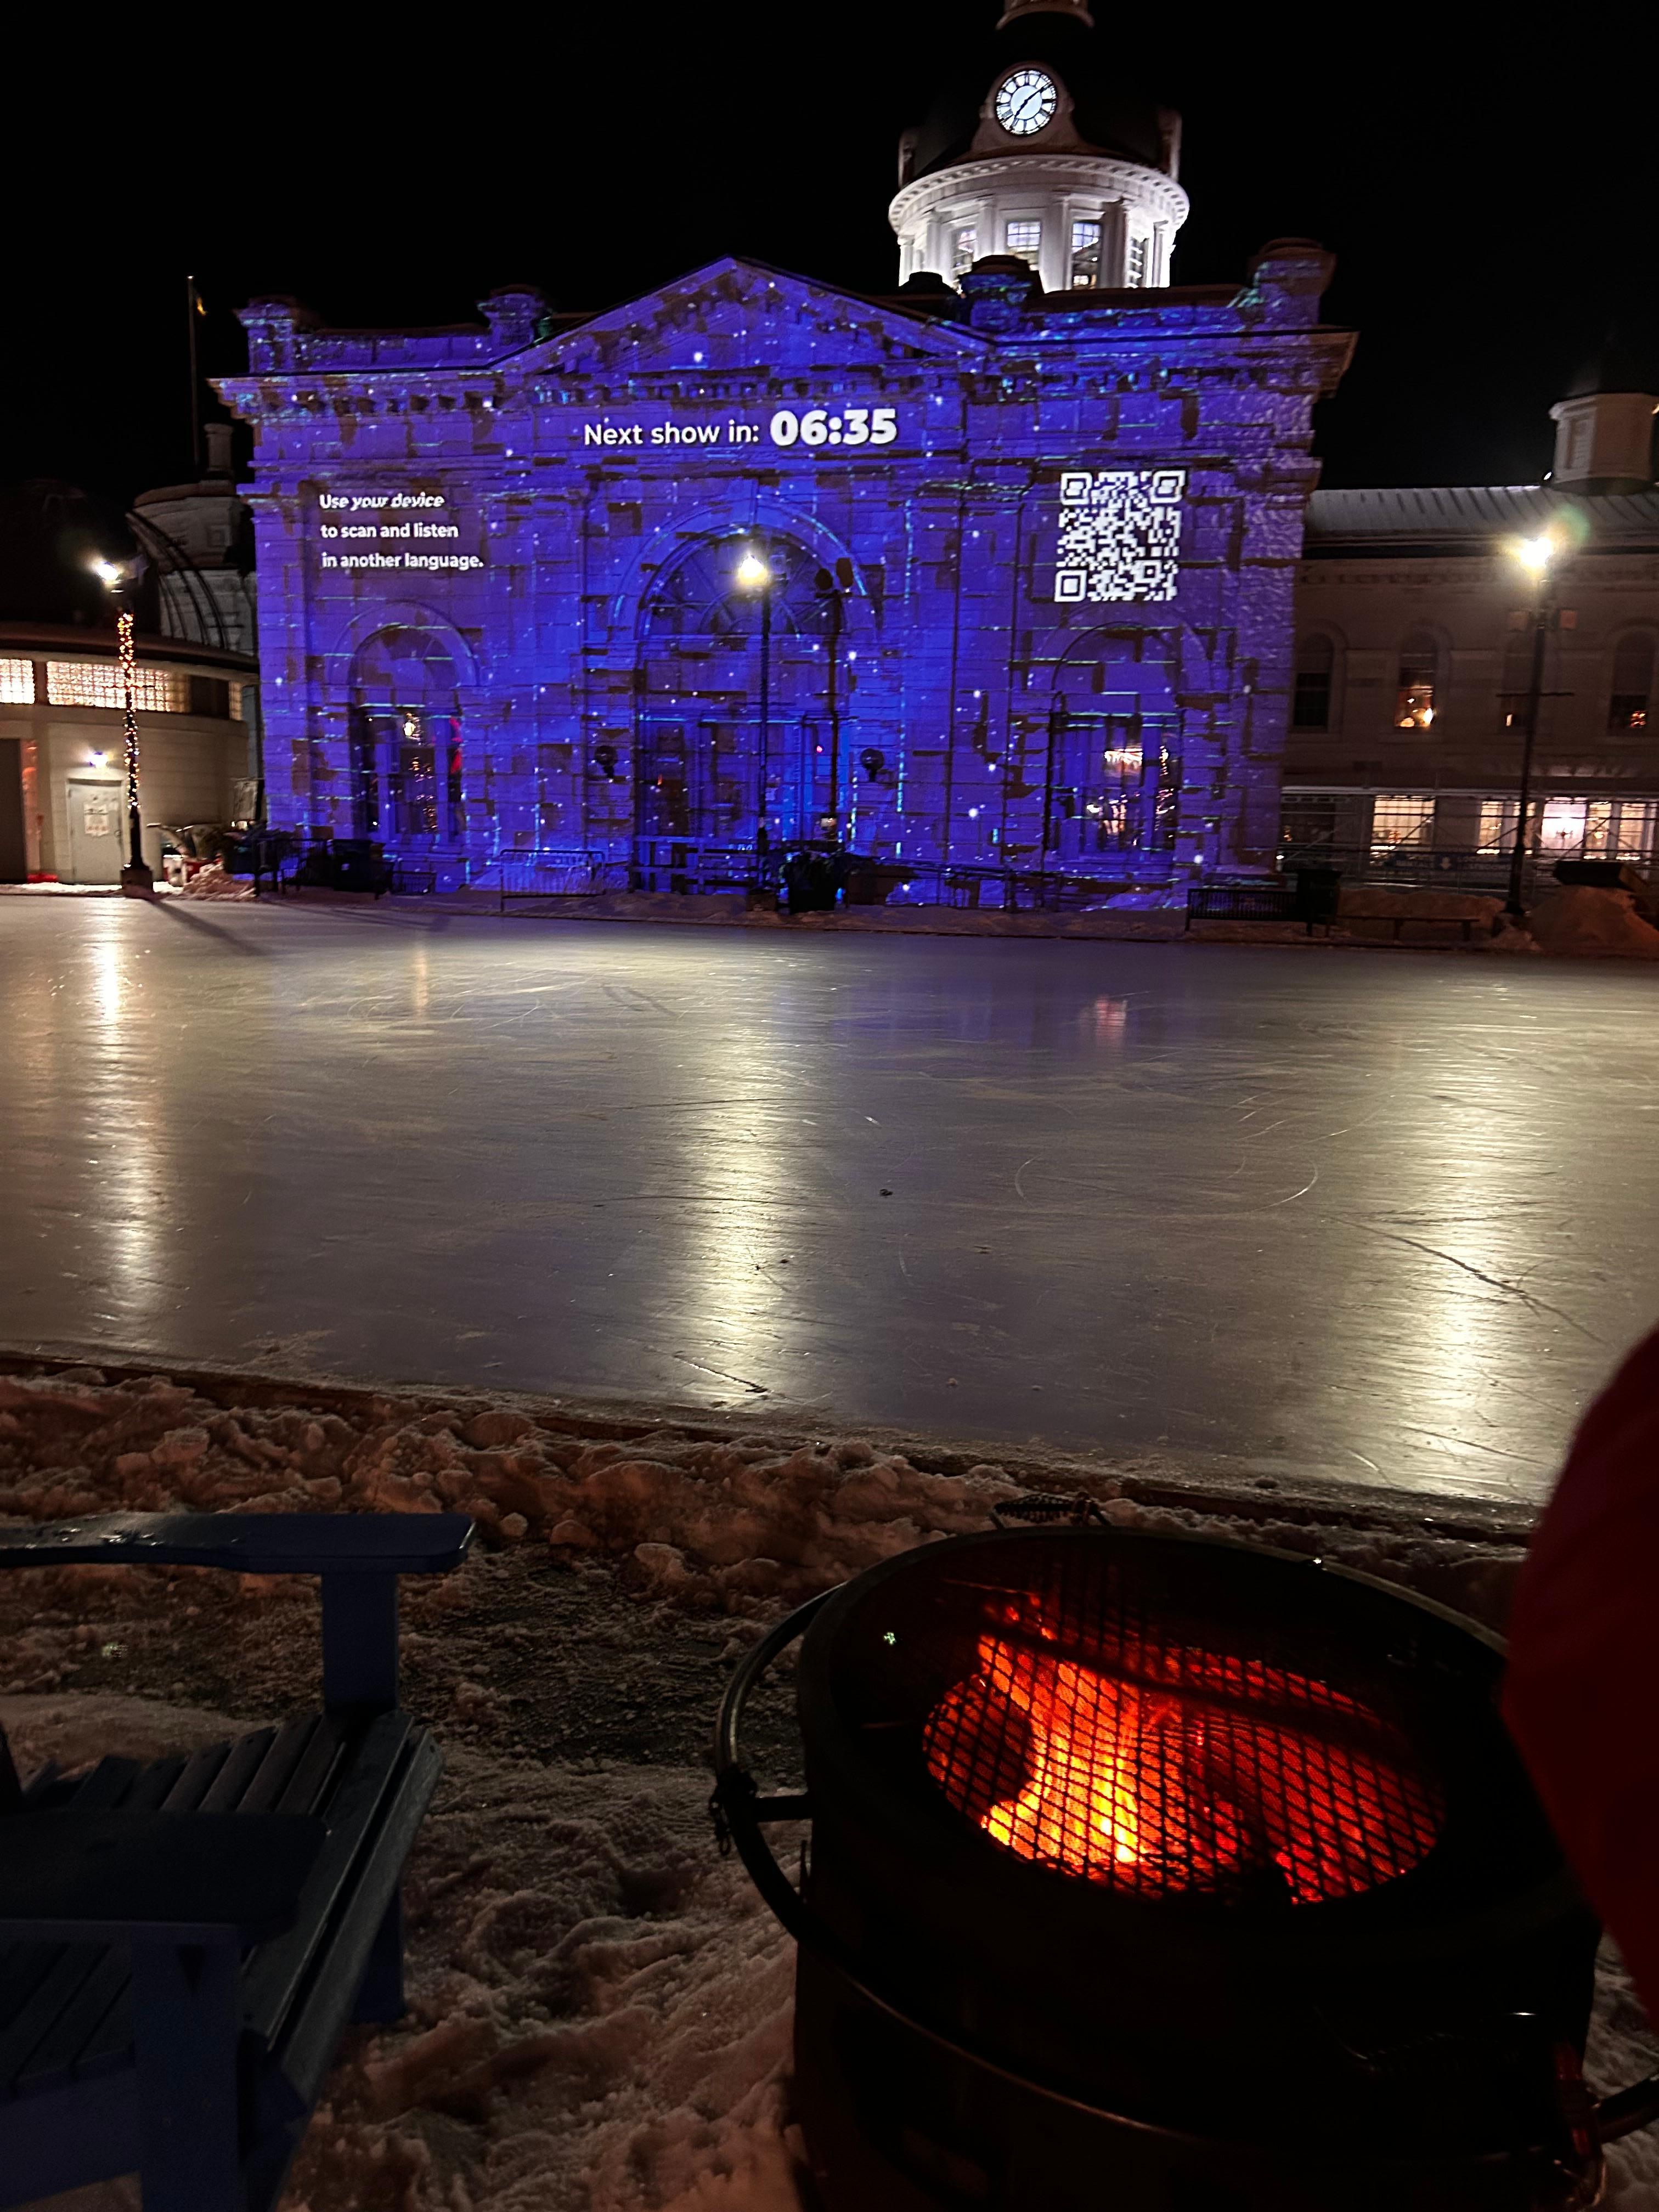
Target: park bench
pixel 182 1944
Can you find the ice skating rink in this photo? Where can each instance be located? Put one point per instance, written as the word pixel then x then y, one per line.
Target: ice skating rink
pixel 1314 1214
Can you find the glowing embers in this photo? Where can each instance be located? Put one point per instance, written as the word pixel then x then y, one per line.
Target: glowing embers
pixel 1165 1769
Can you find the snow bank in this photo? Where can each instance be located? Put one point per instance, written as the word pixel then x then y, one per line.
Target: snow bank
pixel 1582 918
pixel 212 882
pixel 728 1524
pixel 1374 902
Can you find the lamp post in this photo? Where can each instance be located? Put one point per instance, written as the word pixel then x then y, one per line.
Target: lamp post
pixel 119 578
pixel 755 573
pixel 1534 556
pixel 832 586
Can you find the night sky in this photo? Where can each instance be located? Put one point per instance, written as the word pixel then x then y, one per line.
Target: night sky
pixel 1484 181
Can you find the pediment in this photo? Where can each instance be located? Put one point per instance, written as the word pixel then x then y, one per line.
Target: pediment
pixel 738 315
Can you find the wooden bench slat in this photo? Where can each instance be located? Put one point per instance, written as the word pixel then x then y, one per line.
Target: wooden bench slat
pixel 52 2062
pixel 311 2032
pixel 238 1771
pixel 34 2019
pixel 188 1791
pixel 273 1974
pixel 54 2058
pixel 247 1543
pixel 267 1784
pixel 308 1787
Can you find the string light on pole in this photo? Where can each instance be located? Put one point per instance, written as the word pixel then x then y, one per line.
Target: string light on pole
pixel 119 578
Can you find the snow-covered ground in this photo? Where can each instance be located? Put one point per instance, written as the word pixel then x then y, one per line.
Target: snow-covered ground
pixel 600 2006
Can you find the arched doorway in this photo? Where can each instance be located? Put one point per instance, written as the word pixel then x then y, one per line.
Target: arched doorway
pixel 406 740
pixel 1113 766
pixel 739 743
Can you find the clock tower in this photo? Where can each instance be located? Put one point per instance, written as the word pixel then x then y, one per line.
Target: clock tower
pixel 1035 151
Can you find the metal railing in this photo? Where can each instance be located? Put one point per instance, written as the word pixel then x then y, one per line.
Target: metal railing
pixel 1424 867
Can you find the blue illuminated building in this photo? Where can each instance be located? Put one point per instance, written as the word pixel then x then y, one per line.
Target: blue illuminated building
pixel 996 572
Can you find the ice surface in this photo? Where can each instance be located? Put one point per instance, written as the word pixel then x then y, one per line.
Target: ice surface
pixel 1287 1213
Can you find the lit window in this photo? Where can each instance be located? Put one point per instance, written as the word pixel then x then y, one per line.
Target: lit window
pixel 1311 708
pixel 1025 239
pixel 1398 819
pixel 964 247
pixel 1562 830
pixel 16 683
pixel 1085 256
pixel 1632 681
pixel 1498 817
pixel 1414 708
pixel 1135 274
pixel 98 684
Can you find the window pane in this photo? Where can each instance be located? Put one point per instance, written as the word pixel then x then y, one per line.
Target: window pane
pixel 1085 256
pixel 1025 239
pixel 1414 700
pixel 1632 681
pixel 1312 708
pixel 98 684
pixel 1399 819
pixel 1562 830
pixel 1136 274
pixel 964 247
pixel 1498 825
pixel 17 682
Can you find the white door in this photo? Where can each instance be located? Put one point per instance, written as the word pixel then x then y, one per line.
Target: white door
pixel 96 828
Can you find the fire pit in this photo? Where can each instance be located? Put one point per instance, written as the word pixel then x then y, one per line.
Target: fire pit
pixel 1155 1872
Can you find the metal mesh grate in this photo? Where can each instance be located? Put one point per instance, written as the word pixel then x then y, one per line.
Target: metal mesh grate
pixel 1168 1757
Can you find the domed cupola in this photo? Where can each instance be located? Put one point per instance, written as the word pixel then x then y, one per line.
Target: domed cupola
pixel 1033 149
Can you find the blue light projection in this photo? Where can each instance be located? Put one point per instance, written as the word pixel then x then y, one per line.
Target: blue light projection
pixel 983 578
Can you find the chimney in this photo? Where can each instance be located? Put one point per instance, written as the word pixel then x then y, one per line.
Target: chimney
pixel 218 436
pixel 1604 426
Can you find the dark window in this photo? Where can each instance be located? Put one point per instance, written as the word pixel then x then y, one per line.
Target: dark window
pixel 1632 681
pixel 1315 659
pixel 210 695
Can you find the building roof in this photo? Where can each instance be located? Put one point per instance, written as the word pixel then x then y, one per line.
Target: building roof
pixel 74 642
pixel 1108 113
pixel 1470 519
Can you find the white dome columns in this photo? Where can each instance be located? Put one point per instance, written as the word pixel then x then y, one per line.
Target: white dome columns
pixel 1139 211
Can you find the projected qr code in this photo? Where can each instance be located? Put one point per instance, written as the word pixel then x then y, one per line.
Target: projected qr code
pixel 1120 534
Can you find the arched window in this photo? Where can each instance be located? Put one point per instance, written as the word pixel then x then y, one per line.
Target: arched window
pixel 1414 702
pixel 1315 662
pixel 405 738
pixel 1633 681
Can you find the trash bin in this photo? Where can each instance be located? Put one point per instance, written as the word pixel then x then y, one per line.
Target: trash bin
pixel 1318 894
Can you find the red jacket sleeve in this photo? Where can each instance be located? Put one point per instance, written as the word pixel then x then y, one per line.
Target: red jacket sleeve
pixel 1581 1693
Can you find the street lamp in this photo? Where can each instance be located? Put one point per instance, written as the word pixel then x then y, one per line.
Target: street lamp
pixel 830 588
pixel 1534 556
pixel 755 573
pixel 118 579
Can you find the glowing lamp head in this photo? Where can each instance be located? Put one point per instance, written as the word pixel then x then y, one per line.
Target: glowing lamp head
pixel 97 760
pixel 108 573
pixel 753 574
pixel 1535 554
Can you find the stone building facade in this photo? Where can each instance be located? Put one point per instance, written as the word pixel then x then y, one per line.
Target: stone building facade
pixel 1414 659
pixel 981 576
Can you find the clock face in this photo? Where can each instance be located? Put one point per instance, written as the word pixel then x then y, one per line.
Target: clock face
pixel 1026 101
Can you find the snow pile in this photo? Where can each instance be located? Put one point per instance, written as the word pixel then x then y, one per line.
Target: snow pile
pixel 1373 903
pixel 1584 919
pixel 725 1522
pixel 212 882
